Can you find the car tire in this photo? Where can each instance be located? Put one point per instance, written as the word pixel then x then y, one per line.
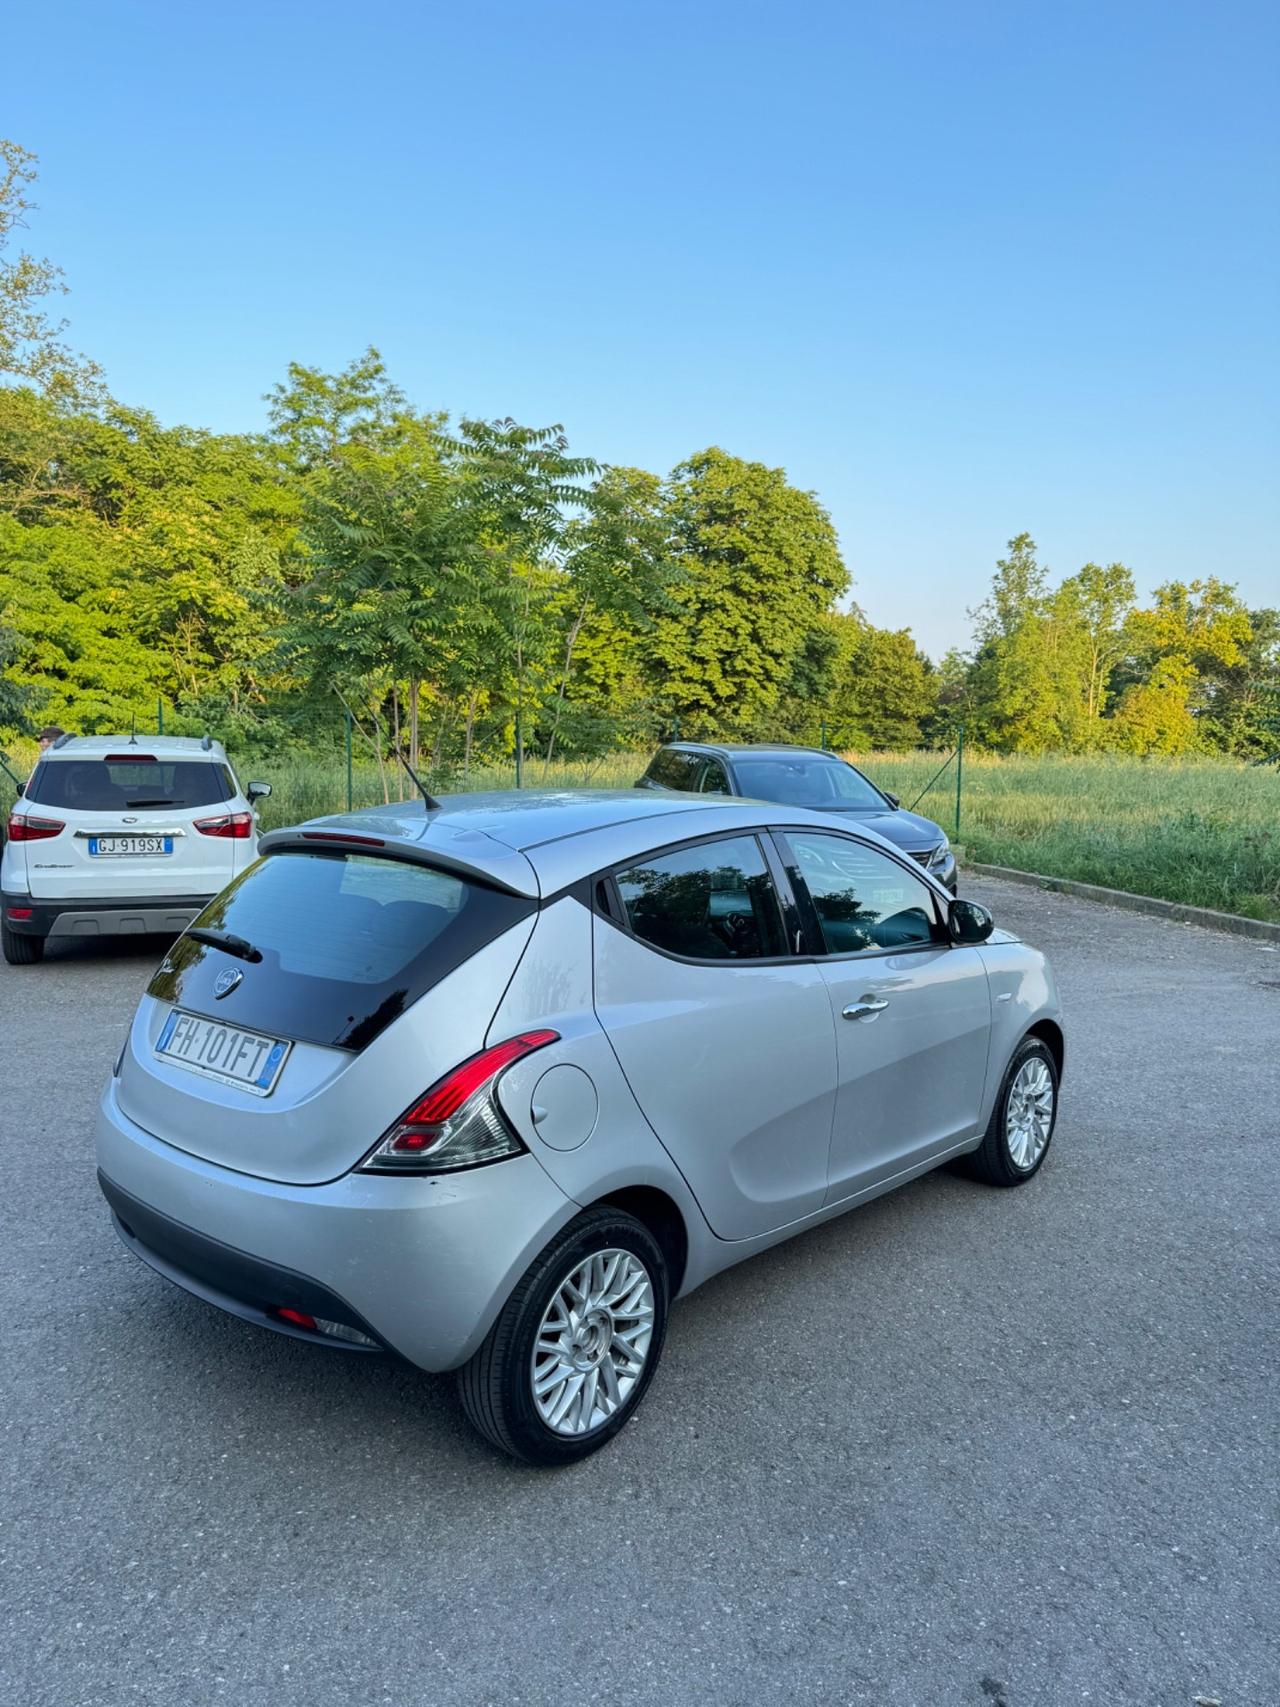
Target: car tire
pixel 21 950
pixel 606 1354
pixel 1022 1122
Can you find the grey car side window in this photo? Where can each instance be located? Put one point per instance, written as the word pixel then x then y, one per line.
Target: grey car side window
pixel 674 768
pixel 865 901
pixel 713 779
pixel 707 901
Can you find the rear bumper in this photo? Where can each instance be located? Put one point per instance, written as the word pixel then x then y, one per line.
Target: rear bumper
pixel 27 915
pixel 422 1265
pixel 231 1279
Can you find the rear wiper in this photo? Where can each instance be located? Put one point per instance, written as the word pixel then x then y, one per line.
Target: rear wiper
pixel 227 941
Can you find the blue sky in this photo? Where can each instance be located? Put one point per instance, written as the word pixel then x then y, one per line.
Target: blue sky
pixel 961 269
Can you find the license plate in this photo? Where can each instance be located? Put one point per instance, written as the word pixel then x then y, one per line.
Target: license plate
pixel 108 847
pixel 226 1052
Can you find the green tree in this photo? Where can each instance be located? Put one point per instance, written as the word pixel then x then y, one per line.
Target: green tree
pixel 1180 648
pixel 1097 602
pixel 1016 699
pixel 759 566
pixel 892 687
pixel 316 415
pixel 15 697
pixel 1244 714
pixel 380 606
pixel 615 569
pixel 518 484
pixel 31 347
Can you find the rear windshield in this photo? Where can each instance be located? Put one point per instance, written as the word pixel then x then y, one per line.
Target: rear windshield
pixel 348 942
pixel 130 785
pixel 807 782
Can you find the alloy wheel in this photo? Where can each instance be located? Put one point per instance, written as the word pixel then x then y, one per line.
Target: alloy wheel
pixel 593 1342
pixel 1028 1119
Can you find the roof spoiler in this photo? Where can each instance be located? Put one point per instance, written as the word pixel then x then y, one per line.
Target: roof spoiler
pixel 478 856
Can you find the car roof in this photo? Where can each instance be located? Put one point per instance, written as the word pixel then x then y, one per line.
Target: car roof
pixel 774 750
pixel 150 746
pixel 537 842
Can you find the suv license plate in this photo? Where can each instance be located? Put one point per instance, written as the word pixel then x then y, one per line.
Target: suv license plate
pixel 227 1052
pixel 106 847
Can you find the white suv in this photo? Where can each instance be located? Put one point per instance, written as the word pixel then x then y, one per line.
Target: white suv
pixel 121 835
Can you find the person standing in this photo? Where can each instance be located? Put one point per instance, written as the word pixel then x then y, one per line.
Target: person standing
pixel 48 735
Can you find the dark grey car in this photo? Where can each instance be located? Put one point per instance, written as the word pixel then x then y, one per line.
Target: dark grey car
pixel 803 776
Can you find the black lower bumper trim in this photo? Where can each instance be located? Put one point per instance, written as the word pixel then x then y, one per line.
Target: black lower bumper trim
pixel 231 1279
pixel 44 914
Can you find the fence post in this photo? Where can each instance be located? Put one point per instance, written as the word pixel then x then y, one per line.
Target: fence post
pixel 675 727
pixel 350 779
pixel 519 746
pixel 959 773
pixel 822 739
pixel 159 717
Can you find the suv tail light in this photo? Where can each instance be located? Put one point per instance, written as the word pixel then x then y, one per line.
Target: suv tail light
pixel 458 1123
pixel 33 829
pixel 237 826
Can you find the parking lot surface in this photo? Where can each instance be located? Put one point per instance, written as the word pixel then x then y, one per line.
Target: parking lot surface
pixel 959 1447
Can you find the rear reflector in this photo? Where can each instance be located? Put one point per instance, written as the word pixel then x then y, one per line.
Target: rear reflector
pixel 19 913
pixel 297 1318
pixel 234 826
pixel 318 1325
pixel 33 829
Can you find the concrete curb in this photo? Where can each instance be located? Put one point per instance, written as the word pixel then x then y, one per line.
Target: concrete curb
pixel 1205 916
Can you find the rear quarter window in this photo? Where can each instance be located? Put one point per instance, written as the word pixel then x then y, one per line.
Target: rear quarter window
pixel 674 768
pixel 348 943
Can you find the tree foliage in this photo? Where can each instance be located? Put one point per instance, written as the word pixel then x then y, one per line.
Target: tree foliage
pixel 759 566
pixel 475 590
pixel 31 345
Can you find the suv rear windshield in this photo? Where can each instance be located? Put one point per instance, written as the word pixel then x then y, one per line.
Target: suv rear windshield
pixel 129 785
pixel 348 943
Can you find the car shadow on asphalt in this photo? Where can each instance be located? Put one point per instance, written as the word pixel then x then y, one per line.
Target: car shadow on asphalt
pixel 272 1386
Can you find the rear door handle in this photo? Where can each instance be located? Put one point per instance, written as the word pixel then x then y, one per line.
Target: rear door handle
pixel 867 1008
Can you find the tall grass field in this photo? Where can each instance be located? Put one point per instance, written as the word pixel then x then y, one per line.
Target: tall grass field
pixel 1201 831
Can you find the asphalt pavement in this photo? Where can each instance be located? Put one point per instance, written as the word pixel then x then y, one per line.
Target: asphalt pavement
pixel 960 1448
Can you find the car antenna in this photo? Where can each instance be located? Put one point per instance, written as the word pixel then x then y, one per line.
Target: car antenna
pixel 133 731
pixel 432 804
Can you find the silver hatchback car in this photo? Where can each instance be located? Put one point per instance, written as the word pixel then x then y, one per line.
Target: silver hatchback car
pixel 487 1086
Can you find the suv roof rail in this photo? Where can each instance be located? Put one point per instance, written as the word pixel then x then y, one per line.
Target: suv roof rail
pixel 62 741
pixel 206 743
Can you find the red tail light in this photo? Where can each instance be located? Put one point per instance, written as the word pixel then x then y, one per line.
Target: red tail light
pixel 236 826
pixel 33 829
pixel 458 1123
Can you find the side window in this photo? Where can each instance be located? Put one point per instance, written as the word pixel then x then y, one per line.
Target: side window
pixel 713 779
pixel 711 901
pixel 864 900
pixel 672 769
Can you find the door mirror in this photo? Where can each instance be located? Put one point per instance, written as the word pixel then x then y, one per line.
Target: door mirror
pixel 968 922
pixel 257 791
pixel 895 800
